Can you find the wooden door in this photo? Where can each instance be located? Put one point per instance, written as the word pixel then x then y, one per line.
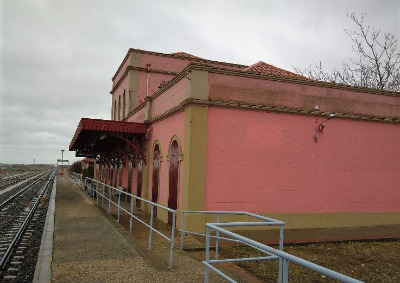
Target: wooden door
pixel 156 168
pixel 173 179
pixel 139 181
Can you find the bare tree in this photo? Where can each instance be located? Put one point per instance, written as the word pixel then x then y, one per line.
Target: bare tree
pixel 76 167
pixel 377 64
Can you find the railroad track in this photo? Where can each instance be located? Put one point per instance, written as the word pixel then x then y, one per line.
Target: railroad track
pixel 21 228
pixel 8 181
pixel 9 192
pixel 5 184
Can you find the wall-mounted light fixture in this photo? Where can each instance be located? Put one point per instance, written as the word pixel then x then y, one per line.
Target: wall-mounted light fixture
pixel 321 126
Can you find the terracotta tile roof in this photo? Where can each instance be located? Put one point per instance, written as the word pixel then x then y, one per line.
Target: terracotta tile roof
pixel 267 69
pixel 186 55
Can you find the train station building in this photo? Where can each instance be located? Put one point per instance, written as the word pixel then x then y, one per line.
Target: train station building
pixel 196 134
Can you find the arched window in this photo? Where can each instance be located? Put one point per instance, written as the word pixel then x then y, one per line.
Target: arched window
pixel 119 108
pixel 115 110
pixel 155 175
pixel 123 106
pixel 174 160
pixel 130 102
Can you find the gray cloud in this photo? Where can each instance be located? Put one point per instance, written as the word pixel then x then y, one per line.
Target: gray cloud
pixel 58 57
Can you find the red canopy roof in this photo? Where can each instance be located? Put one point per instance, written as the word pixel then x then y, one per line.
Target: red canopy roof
pixel 96 136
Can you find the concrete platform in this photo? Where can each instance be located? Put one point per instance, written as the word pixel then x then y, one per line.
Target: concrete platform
pixel 83 243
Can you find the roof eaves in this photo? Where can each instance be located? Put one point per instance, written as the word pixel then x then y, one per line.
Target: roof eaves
pixel 175 55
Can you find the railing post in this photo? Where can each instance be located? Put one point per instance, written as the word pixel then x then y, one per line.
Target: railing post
pixel 281 249
pixel 130 220
pixel 103 195
pixel 97 192
pixel 207 253
pixel 91 189
pixel 119 202
pixel 151 225
pixel 109 200
pixel 217 239
pixel 182 228
pixel 171 251
pixel 285 271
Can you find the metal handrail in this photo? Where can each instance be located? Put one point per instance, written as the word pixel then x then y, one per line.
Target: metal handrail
pixel 95 193
pixel 266 221
pixel 76 178
pixel 268 250
pixel 272 254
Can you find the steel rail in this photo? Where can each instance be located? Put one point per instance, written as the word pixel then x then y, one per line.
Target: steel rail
pixel 21 230
pixel 4 183
pixel 21 191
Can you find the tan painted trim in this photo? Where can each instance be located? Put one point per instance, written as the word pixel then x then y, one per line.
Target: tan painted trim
pixel 200 60
pixel 335 220
pixel 197 86
pixel 320 220
pixel 194 170
pixel 268 108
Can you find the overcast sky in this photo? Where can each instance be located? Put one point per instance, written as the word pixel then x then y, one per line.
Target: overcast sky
pixel 58 57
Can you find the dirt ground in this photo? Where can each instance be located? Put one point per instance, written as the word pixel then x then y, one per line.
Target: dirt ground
pixel 368 261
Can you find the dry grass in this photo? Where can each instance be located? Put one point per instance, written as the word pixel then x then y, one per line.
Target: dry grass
pixel 368 261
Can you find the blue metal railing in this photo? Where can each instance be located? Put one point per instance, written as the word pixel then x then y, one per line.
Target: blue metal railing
pixel 76 179
pixel 265 221
pixel 271 252
pixel 93 187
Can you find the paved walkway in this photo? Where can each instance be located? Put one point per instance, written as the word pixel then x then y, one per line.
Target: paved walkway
pixel 84 244
pixel 90 246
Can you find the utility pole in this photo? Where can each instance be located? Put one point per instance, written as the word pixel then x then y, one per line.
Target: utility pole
pixel 62 162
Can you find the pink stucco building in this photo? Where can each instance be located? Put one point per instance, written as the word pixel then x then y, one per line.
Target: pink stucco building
pixel 197 134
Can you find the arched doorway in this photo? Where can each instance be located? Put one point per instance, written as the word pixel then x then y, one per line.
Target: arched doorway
pixel 173 179
pixel 156 168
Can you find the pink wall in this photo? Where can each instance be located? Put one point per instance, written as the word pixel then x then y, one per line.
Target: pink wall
pixel 163 63
pixel 266 92
pixel 163 131
pixel 139 116
pixel 269 162
pixel 154 82
pixel 169 99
